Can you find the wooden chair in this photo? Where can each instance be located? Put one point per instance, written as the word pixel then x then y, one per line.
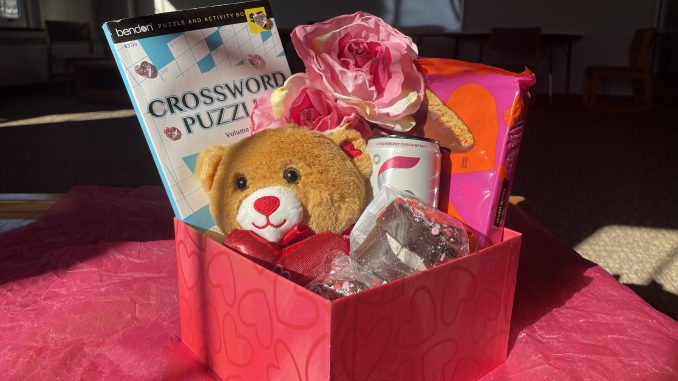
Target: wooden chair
pixel 61 33
pixel 513 48
pixel 639 72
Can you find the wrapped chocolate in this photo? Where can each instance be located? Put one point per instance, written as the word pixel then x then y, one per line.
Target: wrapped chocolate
pixel 341 276
pixel 407 236
pixel 300 260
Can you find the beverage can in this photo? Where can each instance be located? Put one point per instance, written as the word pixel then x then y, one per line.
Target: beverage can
pixel 406 163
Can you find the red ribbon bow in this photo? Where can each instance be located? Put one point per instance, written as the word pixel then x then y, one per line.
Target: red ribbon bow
pixel 300 253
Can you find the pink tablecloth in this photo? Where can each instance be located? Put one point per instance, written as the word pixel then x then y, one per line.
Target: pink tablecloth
pixel 89 292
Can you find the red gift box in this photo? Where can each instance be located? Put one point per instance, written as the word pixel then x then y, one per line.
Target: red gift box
pixel 248 323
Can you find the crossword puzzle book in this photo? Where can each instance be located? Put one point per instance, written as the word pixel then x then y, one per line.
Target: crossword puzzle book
pixel 193 76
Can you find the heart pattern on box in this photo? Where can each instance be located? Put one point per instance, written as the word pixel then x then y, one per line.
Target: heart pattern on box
pixel 213 325
pixel 220 275
pixel 188 329
pixel 285 366
pixel 314 356
pixel 486 312
pixel 255 311
pixel 238 349
pixel 466 369
pixel 405 371
pixel 509 292
pixel 287 305
pixel 377 338
pixel 445 322
pixel 419 327
pixel 460 287
pixel 433 369
pixel 234 378
pixel 189 265
pixel 494 271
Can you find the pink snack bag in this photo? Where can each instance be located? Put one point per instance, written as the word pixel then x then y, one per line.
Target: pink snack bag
pixel 483 131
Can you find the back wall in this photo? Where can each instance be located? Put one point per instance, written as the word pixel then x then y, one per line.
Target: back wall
pixel 607 27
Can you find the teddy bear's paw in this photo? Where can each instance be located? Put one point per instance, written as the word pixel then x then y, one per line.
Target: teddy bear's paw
pixel 270 212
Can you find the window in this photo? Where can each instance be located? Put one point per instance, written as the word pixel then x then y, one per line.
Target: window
pixel 9 9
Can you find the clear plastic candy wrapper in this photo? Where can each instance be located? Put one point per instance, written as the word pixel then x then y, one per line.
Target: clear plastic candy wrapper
pixel 341 276
pixel 399 235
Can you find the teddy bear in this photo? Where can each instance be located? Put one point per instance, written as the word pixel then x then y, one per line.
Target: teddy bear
pixel 280 179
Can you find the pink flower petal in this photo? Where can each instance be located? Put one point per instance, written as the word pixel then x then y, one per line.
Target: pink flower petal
pixel 365 63
pixel 304 104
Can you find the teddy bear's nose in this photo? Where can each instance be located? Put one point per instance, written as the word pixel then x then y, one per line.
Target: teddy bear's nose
pixel 267 205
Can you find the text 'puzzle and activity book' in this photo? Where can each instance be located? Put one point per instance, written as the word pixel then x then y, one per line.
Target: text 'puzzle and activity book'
pixel 193 76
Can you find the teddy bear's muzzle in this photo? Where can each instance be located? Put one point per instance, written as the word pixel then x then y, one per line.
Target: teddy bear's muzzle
pixel 270 212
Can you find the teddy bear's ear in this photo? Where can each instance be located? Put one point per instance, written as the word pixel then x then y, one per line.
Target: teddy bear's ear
pixel 207 164
pixel 352 143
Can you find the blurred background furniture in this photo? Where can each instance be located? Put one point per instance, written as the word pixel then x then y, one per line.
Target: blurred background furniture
pixel 513 48
pixel 98 80
pixel 639 72
pixel 94 78
pixel 75 35
pixel 486 53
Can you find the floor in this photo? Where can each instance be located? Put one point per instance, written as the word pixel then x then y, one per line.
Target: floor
pixel 50 142
pixel 606 184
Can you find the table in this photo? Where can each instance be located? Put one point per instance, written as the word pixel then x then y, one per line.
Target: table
pixel 419 35
pixel 89 291
pixel 97 80
pixel 548 41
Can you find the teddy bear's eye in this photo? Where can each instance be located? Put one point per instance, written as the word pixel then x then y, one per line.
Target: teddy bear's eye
pixel 241 182
pixel 292 175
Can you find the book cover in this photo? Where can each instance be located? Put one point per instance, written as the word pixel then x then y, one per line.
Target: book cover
pixel 193 76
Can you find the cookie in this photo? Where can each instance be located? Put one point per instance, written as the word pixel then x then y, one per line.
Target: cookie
pixel 437 121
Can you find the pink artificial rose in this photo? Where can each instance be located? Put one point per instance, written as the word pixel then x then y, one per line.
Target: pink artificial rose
pixel 366 64
pixel 297 102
